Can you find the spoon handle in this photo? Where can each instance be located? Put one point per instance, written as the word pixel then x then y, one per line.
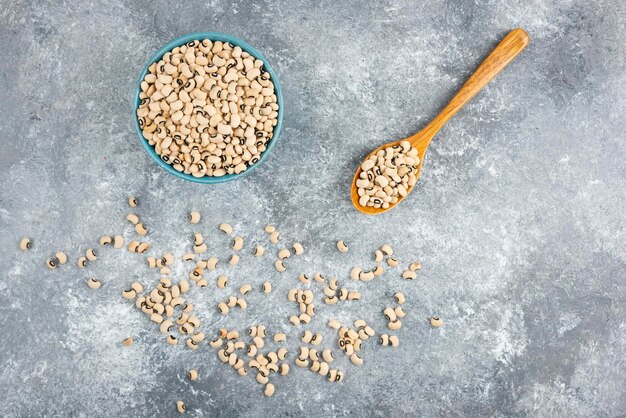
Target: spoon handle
pixel 506 51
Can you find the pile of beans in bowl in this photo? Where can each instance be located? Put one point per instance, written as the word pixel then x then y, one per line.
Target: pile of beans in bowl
pixel 208 108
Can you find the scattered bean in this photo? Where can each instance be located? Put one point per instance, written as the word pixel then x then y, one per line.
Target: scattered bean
pixel 237 243
pixel 269 390
pixel 167 259
pixel 194 217
pixel 399 297
pixel 356 359
pixel 200 249
pixel 354 296
pixel 184 286
pixel 217 342
pixel 387 250
pixel 302 362
pixel 93 283
pixel 436 322
pixel 61 257
pixel 415 266
pixel 258 342
pixel 316 339
pixel 267 287
pixel 298 249
pixel 245 289
pixel 334 324
pixel 223 308
pixel 394 341
pixel 166 326
pixel 25 244
pixel 155 317
pixel 394 325
pixel 91 254
pixel 189 256
pixel 222 281
pixel 279 266
pixel 118 241
pixel 319 278
pixel 226 228
pixel 242 304
pixel 211 263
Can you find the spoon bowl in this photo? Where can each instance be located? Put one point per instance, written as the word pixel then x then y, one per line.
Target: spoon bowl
pixel 420 145
pixel 505 52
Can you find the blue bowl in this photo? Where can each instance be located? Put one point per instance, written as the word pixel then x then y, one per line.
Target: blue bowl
pixel 214 36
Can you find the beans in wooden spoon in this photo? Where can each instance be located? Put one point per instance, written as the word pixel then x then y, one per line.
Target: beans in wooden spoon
pixel 383 190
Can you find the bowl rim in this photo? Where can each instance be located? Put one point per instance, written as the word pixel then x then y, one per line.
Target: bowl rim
pixel 213 36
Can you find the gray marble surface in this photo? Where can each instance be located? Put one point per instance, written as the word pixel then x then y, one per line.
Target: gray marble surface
pixel 518 218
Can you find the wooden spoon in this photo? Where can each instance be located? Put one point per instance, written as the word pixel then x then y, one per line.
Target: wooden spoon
pixel 500 57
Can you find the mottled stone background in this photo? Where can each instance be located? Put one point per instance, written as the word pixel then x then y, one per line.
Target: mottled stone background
pixel 518 218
